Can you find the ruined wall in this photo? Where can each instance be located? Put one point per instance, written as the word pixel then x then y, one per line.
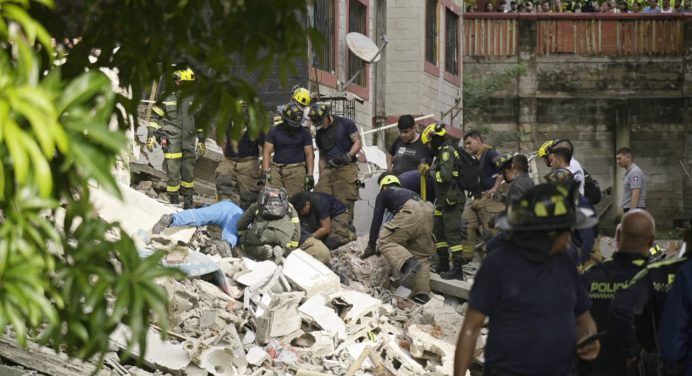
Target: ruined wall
pixel 601 101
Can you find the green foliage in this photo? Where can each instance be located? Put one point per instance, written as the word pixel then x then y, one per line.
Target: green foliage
pixel 477 92
pixel 58 260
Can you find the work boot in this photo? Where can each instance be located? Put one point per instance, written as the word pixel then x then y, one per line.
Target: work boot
pixel 187 202
pixel 408 272
pixel 174 198
pixel 456 273
pixel 442 261
pixel 162 224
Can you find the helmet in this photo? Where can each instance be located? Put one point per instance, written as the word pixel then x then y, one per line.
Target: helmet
pixel 301 95
pixel 292 114
pixel 545 148
pixel 432 130
pixel 503 161
pixel 318 111
pixel 549 206
pixel 184 75
pixel 558 174
pixel 389 180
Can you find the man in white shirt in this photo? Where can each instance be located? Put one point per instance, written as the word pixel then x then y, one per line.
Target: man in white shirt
pixel 546 152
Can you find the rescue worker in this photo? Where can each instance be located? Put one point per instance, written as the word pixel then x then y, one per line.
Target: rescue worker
pixel 239 171
pixel 603 280
pixel 173 127
pixel 503 165
pixel 338 141
pixel 301 96
pixel 574 166
pixel 269 228
pixel 530 291
pixel 635 311
pixel 406 240
pixel 291 166
pixel 449 200
pixel 521 181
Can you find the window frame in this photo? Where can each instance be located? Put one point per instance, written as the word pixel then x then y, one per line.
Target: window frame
pixel 319 75
pixel 361 91
pixel 455 79
pixel 432 67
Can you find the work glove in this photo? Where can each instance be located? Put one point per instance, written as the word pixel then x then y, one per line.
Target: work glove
pixel 164 143
pixel 340 160
pixel 309 182
pixel 151 143
pixel 278 254
pixel 423 168
pixel 265 177
pixel 201 149
pixel 369 251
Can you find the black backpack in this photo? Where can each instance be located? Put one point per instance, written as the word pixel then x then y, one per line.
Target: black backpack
pixel 273 203
pixel 592 190
pixel 470 172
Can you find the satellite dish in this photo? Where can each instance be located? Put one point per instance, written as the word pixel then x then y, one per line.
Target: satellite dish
pixel 363 47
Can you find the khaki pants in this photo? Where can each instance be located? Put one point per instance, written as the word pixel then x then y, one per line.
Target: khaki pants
pixel 341 183
pixel 317 249
pixel 477 213
pixel 236 175
pixel 409 234
pixel 291 177
pixel 341 232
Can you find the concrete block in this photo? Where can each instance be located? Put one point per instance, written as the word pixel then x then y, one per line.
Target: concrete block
pixel 361 304
pixel 256 356
pixel 280 317
pixel 260 272
pixel 424 345
pixel 161 355
pixel 326 318
pixel 397 361
pixel 453 287
pixel 309 275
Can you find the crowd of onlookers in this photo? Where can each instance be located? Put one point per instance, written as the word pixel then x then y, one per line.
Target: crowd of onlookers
pixel 586 6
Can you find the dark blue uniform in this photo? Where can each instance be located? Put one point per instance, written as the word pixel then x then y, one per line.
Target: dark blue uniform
pixel 322 206
pixel 488 169
pixel 391 199
pixel 602 281
pixel 411 180
pixel 244 148
pixel 289 143
pixel 336 140
pixel 532 307
pixel 675 331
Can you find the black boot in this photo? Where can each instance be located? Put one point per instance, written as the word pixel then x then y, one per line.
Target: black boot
pixel 174 198
pixel 408 272
pixel 456 273
pixel 187 202
pixel 442 261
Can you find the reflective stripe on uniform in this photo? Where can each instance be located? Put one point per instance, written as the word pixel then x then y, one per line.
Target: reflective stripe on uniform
pixel 438 177
pixel 170 103
pixel 153 124
pixel 292 244
pixel 159 111
pixel 173 188
pixel 173 155
pixel 441 245
pixel 187 184
pixel 295 220
pixel 456 248
pixel 438 213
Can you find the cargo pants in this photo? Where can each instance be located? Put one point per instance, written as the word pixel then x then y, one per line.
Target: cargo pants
pixel 236 175
pixel 288 176
pixel 409 234
pixel 342 183
pixel 479 213
pixel 179 162
pixel 317 249
pixel 341 232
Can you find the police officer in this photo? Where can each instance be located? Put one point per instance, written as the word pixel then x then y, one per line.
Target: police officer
pixel 604 279
pixel 338 141
pixel 174 128
pixel 449 200
pixel 291 166
pixel 265 235
pixel 406 240
pixel 239 171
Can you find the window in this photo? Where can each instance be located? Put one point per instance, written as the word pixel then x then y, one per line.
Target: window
pixel 324 15
pixel 452 42
pixel 431 31
pixel 357 23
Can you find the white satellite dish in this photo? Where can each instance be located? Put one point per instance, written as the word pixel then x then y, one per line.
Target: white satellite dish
pixel 363 47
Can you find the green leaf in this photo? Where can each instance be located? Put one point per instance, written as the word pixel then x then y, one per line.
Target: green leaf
pixel 83 89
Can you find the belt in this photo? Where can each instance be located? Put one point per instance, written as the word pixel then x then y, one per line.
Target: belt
pixel 288 164
pixel 243 159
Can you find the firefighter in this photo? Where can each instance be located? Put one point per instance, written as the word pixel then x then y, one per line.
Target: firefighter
pixel 291 166
pixel 338 141
pixel 449 200
pixel 301 96
pixel 174 128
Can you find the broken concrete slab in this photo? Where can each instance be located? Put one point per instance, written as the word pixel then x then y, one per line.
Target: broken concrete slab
pixel 397 360
pixel 439 353
pixel 260 273
pixel 326 318
pixel 453 287
pixel 256 356
pixel 361 304
pixel 280 316
pixel 309 275
pixel 161 354
pixel 218 361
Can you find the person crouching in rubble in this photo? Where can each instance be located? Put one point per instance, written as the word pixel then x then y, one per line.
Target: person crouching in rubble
pixel 324 222
pixel 269 228
pixel 406 241
pixel 529 289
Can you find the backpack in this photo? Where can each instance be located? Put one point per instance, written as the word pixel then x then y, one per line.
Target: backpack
pixel 273 203
pixel 592 190
pixel 470 172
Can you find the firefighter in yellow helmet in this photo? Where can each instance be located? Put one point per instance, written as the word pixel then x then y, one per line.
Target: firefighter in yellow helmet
pixel 449 200
pixel 301 96
pixel 173 126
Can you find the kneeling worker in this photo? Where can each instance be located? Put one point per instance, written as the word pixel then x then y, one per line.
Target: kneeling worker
pixel 269 228
pixel 406 241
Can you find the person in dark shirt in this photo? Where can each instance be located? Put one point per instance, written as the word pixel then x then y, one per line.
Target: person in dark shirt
pixel 521 181
pixel 530 291
pixel 323 218
pixel 411 180
pixel 239 171
pixel 483 208
pixel 293 158
pixel 603 280
pixel 338 141
pixel 406 241
pixel 407 152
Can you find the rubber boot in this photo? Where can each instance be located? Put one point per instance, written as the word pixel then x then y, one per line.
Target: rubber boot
pixel 458 261
pixel 442 261
pixel 408 272
pixel 174 198
pixel 187 202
